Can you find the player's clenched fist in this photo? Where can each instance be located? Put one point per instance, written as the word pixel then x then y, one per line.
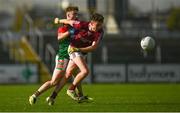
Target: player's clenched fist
pixel 56 21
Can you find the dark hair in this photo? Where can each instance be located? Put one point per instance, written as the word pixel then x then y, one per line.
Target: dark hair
pixel 97 17
pixel 72 8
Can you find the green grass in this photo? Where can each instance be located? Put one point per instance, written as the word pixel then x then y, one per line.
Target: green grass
pixel 108 97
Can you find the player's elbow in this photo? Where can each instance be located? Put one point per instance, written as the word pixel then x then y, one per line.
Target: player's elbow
pixel 85 72
pixel 59 37
pixel 93 48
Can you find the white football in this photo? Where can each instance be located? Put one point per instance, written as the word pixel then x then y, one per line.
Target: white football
pixel 147 43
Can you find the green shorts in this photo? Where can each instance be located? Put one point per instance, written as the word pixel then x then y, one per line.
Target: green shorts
pixel 61 63
pixel 62 58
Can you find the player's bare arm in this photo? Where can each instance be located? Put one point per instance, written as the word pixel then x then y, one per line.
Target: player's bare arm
pixel 63 35
pixel 90 48
pixel 87 49
pixel 64 21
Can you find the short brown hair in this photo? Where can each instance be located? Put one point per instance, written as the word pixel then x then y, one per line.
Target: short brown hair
pixel 72 8
pixel 97 17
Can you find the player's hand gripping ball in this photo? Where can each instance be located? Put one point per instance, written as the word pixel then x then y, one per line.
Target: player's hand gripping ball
pixel 72 49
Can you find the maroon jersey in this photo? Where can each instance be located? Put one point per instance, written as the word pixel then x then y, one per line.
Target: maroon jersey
pixel 83 37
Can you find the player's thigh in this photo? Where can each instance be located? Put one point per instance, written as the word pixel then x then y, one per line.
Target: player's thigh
pixel 57 75
pixel 60 68
pixel 78 59
pixel 56 60
pixel 70 67
pixel 76 70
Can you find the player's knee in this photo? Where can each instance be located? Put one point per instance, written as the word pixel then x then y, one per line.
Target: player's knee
pixel 53 82
pixel 85 72
pixel 67 77
pixel 68 74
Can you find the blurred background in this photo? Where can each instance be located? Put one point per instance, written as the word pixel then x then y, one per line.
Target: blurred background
pixel 28 42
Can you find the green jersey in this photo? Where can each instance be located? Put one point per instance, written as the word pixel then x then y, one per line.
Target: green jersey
pixel 63 48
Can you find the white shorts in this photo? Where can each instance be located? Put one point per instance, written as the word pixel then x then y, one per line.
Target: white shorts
pixel 76 54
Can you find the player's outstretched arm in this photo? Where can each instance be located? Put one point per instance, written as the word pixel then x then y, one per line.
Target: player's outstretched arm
pixel 63 21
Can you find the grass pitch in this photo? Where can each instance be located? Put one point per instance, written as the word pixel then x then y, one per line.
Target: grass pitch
pixel 107 98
